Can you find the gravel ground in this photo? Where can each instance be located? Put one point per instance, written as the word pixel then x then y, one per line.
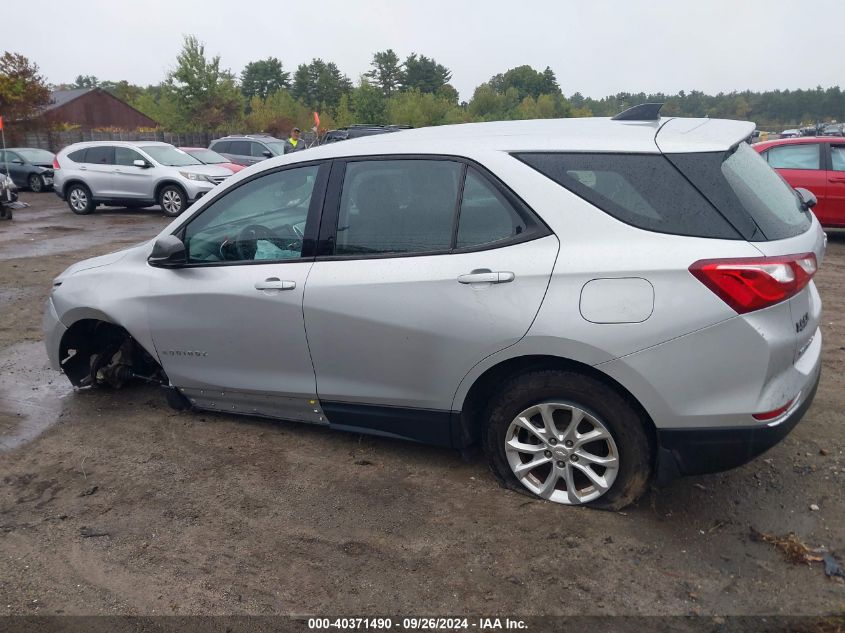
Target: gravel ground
pixel 111 503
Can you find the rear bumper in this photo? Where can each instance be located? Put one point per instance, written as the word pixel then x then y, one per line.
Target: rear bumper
pixel 684 452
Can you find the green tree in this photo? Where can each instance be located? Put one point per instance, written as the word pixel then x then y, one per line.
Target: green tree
pixel 421 109
pixel 526 81
pixel 369 104
pixel 424 74
pixel 122 90
pixel 277 114
pixel 86 81
pixel 205 94
pixel 263 77
pixel 320 85
pixel 23 91
pixel 343 116
pixel 386 72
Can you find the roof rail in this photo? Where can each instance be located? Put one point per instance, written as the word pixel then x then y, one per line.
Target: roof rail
pixel 642 112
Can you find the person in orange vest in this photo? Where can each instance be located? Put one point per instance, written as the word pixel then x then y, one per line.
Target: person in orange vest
pixel 294 143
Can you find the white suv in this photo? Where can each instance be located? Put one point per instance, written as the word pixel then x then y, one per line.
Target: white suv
pixel 132 174
pixel 597 302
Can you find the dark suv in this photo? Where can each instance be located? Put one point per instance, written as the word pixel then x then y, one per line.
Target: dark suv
pixel 248 149
pixel 357 131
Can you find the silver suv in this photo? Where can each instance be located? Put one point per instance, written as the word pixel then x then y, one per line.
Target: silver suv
pixel 598 303
pixel 132 174
pixel 248 149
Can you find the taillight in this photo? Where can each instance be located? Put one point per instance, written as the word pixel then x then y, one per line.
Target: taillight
pixel 771 415
pixel 56 163
pixel 753 283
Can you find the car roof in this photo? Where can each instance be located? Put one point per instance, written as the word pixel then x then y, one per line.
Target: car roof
pixel 572 134
pixel 17 149
pixel 797 141
pixel 117 144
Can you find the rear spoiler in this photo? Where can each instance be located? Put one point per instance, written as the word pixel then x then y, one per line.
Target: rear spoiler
pixel 701 135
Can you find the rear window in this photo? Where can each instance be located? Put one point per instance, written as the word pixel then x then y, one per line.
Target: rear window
pixel 643 190
pixel 742 185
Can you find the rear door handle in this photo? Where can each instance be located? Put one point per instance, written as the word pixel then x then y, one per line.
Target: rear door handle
pixel 485 276
pixel 274 283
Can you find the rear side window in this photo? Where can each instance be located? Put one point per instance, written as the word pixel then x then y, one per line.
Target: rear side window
pixel 643 190
pixel 221 146
pixel 740 183
pixel 837 157
pixel 78 156
pixel 486 216
pixel 101 155
pixel 803 156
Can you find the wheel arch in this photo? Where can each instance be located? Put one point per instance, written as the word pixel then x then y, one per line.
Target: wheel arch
pixel 164 183
pixel 74 181
pixel 91 332
pixel 474 403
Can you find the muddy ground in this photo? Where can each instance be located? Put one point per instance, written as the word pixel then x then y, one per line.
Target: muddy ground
pixel 111 503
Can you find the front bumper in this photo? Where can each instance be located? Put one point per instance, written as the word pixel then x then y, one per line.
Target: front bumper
pixel 54 330
pixel 700 451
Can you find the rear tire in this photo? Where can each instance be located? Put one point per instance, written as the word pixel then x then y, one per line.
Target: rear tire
pixel 172 200
pixel 36 183
pixel 608 472
pixel 79 199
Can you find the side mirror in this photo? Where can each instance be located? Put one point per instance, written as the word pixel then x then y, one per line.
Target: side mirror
pixel 140 163
pixel 168 252
pixel 808 198
pixel 266 153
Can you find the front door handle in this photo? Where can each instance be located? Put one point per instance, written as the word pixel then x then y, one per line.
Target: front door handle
pixel 837 179
pixel 274 283
pixel 485 276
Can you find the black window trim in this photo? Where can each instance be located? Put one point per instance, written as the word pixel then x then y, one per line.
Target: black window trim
pixel 823 155
pixel 331 210
pixel 312 219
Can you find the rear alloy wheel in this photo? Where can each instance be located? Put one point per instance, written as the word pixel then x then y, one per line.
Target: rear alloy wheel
pixel 562 453
pixel 36 183
pixel 79 199
pixel 172 200
pixel 569 438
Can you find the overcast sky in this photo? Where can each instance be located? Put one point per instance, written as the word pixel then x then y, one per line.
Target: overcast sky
pixel 596 47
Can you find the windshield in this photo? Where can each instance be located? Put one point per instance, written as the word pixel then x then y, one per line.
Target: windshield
pixel 276 147
pixel 36 155
pixel 207 156
pixel 170 156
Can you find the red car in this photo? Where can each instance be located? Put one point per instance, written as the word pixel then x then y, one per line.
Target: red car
pixel 816 163
pixel 210 157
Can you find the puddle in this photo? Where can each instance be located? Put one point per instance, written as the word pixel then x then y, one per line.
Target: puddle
pixel 31 394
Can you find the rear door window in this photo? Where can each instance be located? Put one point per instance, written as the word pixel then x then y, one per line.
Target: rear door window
pixel 486 216
pixel 100 155
pixel 398 206
pixel 803 156
pixel 240 148
pixel 643 190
